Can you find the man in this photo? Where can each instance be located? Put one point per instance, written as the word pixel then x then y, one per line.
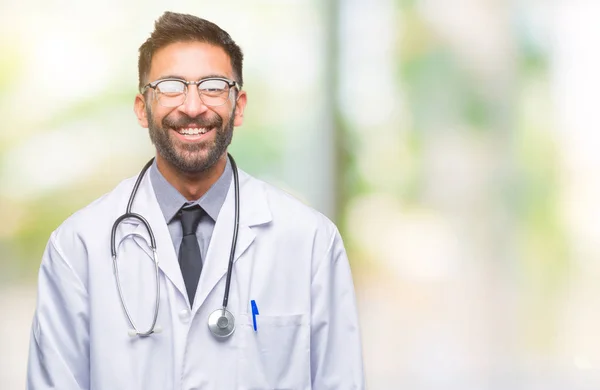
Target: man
pixel 290 292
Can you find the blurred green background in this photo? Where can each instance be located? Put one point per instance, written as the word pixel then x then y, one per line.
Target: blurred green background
pixel 455 143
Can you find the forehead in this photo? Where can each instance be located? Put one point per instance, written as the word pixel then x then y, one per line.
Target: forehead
pixel 191 61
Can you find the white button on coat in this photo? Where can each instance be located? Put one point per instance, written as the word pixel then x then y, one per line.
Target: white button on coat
pixel 184 316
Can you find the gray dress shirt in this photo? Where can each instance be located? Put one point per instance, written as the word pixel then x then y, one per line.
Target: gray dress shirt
pixel 171 201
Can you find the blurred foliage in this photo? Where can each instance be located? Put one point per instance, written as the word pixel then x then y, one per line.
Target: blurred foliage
pixel 444 96
pixel 545 250
pixel 441 92
pixel 441 95
pixel 10 64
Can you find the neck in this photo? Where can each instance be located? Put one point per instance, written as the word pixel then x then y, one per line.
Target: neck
pixel 191 186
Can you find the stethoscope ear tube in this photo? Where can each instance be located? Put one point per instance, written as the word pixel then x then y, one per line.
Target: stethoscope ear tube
pixel 153 328
pixel 113 234
pixel 129 215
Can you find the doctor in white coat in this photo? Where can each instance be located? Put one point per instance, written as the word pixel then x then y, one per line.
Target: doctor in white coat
pixel 291 290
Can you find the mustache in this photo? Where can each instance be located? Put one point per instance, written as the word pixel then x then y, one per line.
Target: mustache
pixel 187 121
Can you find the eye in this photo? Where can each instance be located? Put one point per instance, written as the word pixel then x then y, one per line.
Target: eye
pixel 213 87
pixel 171 87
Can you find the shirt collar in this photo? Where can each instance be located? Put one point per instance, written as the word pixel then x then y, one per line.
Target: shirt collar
pixel 171 201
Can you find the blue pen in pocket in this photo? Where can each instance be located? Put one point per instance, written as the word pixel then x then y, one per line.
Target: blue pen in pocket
pixel 254 313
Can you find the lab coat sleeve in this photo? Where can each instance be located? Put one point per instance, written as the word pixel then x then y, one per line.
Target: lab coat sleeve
pixel 59 351
pixel 336 352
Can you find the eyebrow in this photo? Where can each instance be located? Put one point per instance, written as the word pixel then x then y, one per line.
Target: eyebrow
pixel 174 76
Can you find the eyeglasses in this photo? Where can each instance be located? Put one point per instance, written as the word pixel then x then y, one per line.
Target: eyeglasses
pixel 214 91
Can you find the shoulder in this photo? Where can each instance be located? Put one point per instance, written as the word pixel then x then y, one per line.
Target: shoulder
pixel 287 210
pixel 85 231
pixel 96 215
pixel 295 228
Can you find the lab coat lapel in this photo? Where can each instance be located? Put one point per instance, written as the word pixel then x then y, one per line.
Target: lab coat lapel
pixel 253 211
pixel 147 206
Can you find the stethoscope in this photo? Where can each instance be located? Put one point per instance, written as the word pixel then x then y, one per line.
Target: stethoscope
pixel 220 322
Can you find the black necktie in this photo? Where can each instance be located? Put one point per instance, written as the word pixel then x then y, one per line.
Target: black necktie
pixel 190 259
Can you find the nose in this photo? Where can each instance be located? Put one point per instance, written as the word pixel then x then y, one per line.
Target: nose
pixel 193 104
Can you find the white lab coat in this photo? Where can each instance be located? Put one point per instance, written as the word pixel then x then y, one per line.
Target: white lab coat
pixel 289 259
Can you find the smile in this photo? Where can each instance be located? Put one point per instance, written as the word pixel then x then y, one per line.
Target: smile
pixel 193 131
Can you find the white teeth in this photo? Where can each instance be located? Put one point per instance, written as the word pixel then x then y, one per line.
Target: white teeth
pixel 193 131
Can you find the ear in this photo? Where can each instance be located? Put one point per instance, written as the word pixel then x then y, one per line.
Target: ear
pixel 139 107
pixel 240 105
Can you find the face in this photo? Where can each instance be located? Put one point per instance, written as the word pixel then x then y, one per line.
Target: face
pixel 192 137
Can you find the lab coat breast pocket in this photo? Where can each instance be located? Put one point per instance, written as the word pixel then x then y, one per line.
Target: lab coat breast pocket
pixel 276 355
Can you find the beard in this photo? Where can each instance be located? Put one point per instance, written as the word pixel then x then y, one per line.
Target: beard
pixel 190 158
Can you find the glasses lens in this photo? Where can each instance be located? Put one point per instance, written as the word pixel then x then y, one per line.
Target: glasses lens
pixel 214 92
pixel 171 93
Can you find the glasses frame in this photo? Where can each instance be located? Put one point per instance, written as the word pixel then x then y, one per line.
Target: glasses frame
pixel 154 84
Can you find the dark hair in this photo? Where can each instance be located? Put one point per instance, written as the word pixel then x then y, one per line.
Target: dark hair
pixel 173 27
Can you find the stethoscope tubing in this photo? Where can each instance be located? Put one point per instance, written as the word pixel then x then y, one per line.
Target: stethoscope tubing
pixel 129 215
pixel 236 185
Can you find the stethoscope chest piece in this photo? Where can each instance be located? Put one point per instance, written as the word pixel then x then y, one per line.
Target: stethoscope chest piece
pixel 221 323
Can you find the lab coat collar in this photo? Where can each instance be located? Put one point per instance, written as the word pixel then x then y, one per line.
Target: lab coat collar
pixel 254 211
